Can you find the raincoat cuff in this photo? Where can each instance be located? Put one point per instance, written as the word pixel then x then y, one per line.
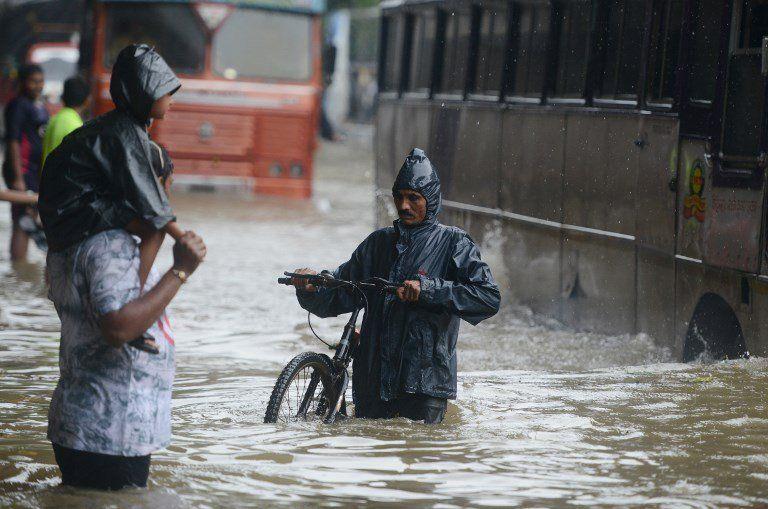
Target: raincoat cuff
pixel 427 292
pixel 159 222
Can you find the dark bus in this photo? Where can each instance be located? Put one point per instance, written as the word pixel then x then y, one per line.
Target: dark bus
pixel 615 151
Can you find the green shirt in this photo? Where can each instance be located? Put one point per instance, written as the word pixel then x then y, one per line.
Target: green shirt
pixel 62 123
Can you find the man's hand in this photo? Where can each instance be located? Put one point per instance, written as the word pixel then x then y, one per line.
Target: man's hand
pixel 188 252
pixel 301 284
pixel 410 291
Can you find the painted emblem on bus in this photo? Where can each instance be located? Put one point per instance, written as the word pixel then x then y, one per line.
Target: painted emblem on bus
pixel 694 205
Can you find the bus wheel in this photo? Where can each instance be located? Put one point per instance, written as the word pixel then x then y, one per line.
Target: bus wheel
pixel 714 332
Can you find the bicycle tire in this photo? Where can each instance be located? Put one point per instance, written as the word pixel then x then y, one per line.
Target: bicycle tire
pixel 320 364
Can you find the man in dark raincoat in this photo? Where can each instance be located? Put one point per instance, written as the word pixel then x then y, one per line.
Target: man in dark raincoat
pixel 405 364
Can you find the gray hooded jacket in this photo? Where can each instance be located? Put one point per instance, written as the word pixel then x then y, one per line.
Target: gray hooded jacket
pixel 411 347
pixel 100 177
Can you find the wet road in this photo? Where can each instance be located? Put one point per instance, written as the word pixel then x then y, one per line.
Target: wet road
pixel 545 417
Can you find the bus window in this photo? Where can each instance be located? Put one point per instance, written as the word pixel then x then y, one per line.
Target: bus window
pixel 530 37
pixel 622 40
pixel 743 136
pixel 705 47
pixel 393 37
pixel 573 18
pixel 246 29
pixel 455 42
pixel 424 28
pixel 173 29
pixel 489 61
pixel 665 46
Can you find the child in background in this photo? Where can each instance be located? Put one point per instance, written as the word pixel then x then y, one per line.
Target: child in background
pixel 101 176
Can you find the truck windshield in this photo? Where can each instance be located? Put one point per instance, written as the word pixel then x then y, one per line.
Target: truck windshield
pixel 173 29
pixel 263 44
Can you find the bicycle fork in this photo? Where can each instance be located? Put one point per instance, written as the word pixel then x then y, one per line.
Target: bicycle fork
pixel 341 384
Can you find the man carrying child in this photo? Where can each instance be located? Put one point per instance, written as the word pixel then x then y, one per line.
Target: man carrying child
pixel 111 406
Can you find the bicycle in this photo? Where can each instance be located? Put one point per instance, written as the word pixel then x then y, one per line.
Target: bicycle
pixel 295 396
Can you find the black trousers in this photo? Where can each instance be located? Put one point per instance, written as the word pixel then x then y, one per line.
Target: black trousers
pixel 417 407
pixel 101 471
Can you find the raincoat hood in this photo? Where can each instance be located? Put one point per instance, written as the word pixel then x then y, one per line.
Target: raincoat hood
pixel 140 77
pixel 419 174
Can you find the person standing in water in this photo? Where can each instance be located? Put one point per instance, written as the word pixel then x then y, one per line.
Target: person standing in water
pixel 112 405
pixel 405 364
pixel 25 120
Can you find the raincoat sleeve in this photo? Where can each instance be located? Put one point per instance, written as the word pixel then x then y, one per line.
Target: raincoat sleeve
pixel 333 302
pixel 473 296
pixel 133 173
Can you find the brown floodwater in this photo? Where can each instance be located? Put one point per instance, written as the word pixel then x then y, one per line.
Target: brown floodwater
pixel 545 417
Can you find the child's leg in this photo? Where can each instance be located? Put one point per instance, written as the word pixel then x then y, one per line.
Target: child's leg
pixel 150 246
pixel 151 240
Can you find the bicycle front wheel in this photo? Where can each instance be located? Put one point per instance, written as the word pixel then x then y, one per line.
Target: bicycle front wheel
pixel 303 391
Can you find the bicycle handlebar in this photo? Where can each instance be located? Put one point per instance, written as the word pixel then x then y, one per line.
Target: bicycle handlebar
pixel 328 281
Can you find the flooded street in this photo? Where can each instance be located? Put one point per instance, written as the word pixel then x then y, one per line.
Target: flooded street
pixel 545 417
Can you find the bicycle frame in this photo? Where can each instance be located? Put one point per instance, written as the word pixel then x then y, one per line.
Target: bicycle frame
pixel 344 349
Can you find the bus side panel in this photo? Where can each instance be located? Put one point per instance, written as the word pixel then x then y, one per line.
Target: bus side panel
pixel 412 129
pixel 655 205
pixel 531 265
pixel 532 164
pixel 385 154
pixel 655 209
pixel 531 185
pixel 656 296
pixel 598 284
pixel 443 141
pixel 476 161
pixel 601 172
pixel 600 176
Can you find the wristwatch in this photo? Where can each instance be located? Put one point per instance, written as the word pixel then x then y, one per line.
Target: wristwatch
pixel 180 274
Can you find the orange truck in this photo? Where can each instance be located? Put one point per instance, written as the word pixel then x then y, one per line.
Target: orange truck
pixel 248 110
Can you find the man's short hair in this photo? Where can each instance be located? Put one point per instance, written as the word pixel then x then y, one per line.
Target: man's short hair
pixel 75 92
pixel 27 70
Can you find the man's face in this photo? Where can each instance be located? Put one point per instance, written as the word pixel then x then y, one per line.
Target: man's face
pixel 33 85
pixel 411 206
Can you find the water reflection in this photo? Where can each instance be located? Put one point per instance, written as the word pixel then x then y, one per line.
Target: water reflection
pixel 545 417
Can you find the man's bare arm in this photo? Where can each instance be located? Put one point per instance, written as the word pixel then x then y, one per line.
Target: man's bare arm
pixel 133 319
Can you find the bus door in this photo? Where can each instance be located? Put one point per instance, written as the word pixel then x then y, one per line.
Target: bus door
pixel 732 235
